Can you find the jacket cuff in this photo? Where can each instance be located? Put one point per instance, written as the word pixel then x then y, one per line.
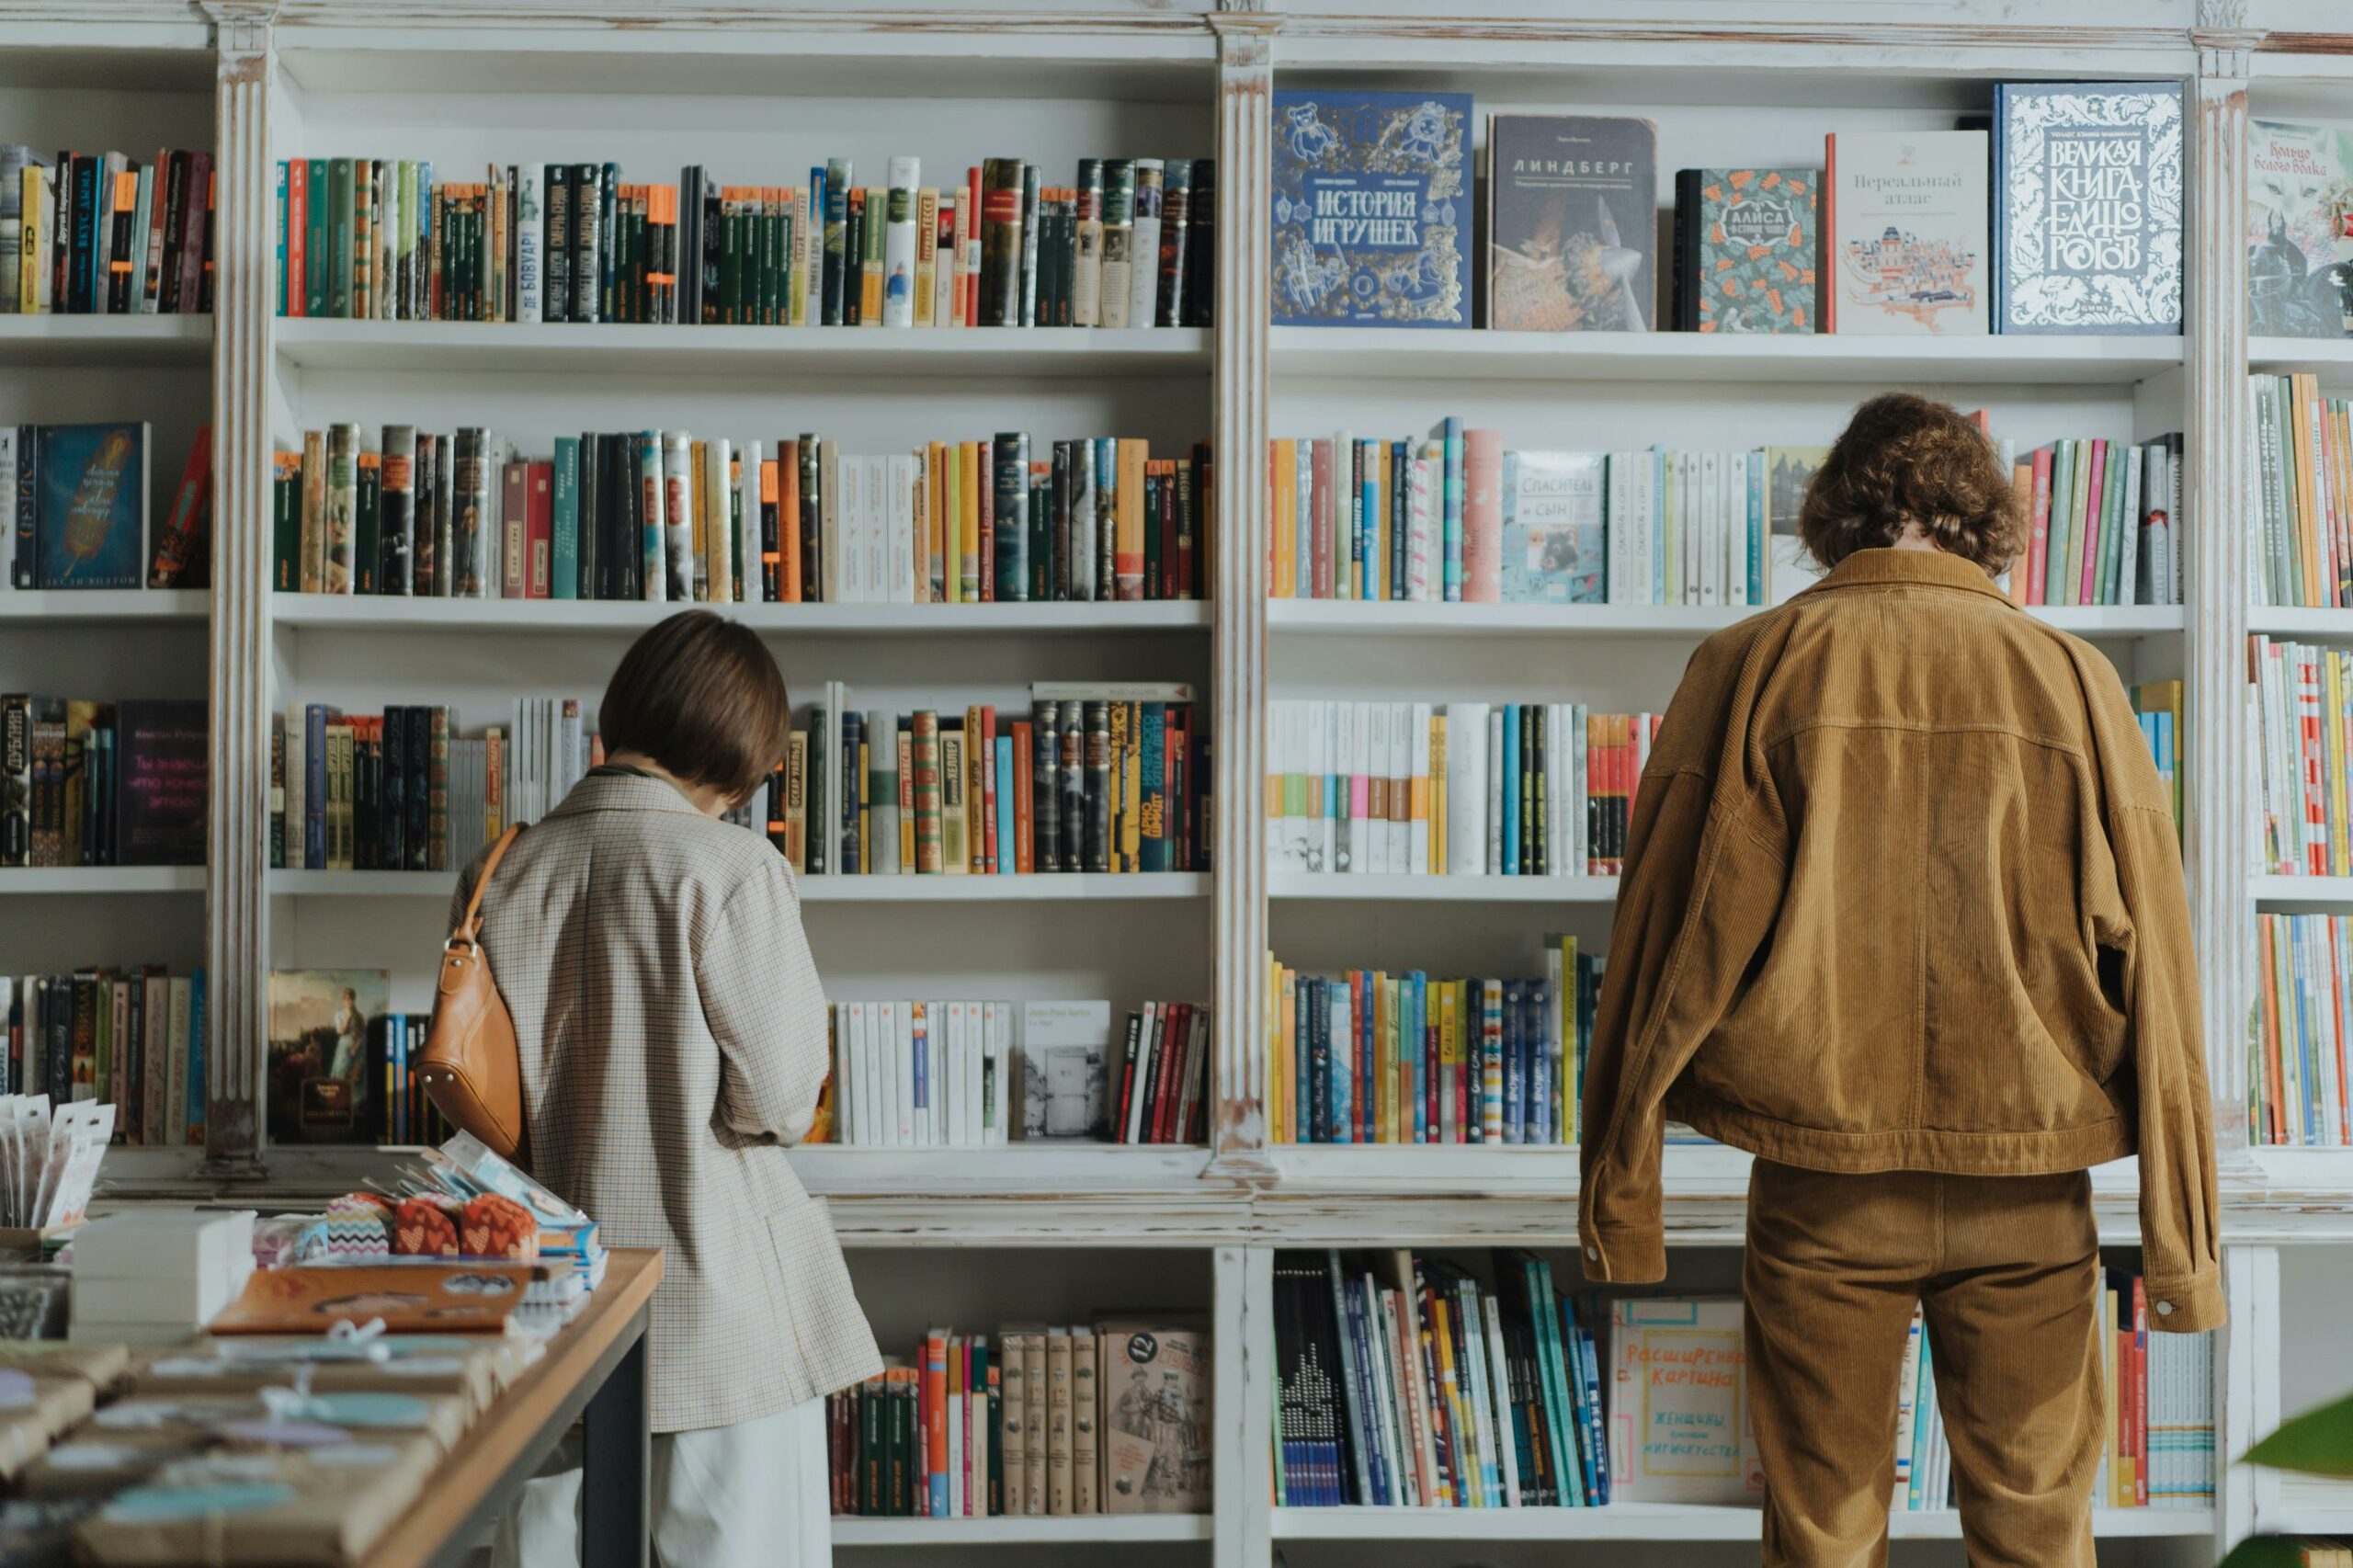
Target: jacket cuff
pixel 1623 1254
pixel 2192 1304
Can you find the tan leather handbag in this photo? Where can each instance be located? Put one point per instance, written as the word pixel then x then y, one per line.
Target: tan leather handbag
pixel 470 1066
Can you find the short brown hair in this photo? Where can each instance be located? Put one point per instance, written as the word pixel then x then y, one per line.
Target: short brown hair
pixel 1905 457
pixel 700 695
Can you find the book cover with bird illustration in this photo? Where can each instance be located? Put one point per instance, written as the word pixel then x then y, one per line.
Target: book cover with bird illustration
pixel 1371 208
pixel 90 506
pixel 1571 224
pixel 1747 246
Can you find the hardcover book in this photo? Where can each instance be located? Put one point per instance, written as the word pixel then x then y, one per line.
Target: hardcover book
pixel 1153 1381
pixel 319 1056
pixel 1553 535
pixel 2300 261
pixel 2087 232
pixel 1371 208
pixel 160 792
pixel 89 499
pixel 1571 224
pixel 1747 242
pixel 1906 221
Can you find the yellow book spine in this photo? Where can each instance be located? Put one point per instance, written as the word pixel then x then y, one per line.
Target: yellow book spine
pixel 967 458
pixel 1131 788
pixel 1439 866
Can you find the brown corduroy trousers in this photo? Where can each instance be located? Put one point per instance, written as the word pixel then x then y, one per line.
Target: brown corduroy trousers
pixel 2006 1270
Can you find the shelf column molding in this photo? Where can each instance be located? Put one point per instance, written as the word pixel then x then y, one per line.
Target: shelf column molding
pixel 244 310
pixel 1238 659
pixel 2215 661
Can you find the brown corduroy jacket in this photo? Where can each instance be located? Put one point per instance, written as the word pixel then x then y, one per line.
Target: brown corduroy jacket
pixel 1903 893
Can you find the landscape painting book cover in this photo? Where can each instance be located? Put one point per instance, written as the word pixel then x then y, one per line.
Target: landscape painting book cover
pixel 1371 208
pixel 321 1022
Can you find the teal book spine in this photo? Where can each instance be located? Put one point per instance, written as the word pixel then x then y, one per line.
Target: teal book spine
pixel 1005 848
pixel 564 531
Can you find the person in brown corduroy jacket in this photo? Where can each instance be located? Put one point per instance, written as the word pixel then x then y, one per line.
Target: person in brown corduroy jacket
pixel 1903 917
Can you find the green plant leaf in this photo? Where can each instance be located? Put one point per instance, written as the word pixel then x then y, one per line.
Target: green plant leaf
pixel 2319 1442
pixel 2265 1551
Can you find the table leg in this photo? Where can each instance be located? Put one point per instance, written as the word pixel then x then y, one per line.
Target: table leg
pixel 617 1468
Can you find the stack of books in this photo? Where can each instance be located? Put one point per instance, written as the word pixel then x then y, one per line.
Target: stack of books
pixel 132 1041
pixel 666 517
pixel 1369 1057
pixel 1106 1417
pixel 1132 243
pixel 102 234
pixel 156 1276
pixel 2298 1094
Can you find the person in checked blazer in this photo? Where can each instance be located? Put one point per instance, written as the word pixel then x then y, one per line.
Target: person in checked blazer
pixel 673 1040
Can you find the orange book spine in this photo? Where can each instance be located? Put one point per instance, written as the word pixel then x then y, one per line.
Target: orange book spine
pixel 1023 860
pixel 788 521
pixel 935 1419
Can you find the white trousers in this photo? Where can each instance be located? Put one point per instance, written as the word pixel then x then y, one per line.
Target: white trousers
pixel 751 1495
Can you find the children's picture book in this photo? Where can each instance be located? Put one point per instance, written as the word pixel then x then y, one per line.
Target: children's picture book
pixel 1680 1426
pixel 320 1078
pixel 1153 1381
pixel 89 505
pixel 1907 221
pixel 1571 224
pixel 1371 208
pixel 1788 471
pixel 161 783
pixel 2299 194
pixel 2088 231
pixel 1554 541
pixel 1747 242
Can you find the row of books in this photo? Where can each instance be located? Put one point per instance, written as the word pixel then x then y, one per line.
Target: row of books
pixel 1131 244
pixel 341 1064
pixel 2302 550
pixel 1110 1416
pixel 1102 777
pixel 2318 1551
pixel 1451 788
pixel 1456 516
pixel 1370 1057
pixel 1405 1381
pixel 2303 737
pixel 663 516
pixel 2298 1094
pixel 100 234
pixel 2102 523
pixel 73 498
pixel 398 790
pixel 87 783
pixel 132 1041
pixel 2158 706
pixel 2064 217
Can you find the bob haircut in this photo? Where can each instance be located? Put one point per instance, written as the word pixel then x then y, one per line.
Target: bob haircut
pixel 700 696
pixel 1903 458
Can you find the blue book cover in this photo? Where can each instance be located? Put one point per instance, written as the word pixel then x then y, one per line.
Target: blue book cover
pixel 1371 208
pixel 90 506
pixel 1152 770
pixel 1515 1065
pixel 1509 784
pixel 2088 215
pixel 1007 849
pixel 1540 1074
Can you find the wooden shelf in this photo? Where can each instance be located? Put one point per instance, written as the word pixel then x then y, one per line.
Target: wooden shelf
pixel 1104 1529
pixel 1412 354
pixel 391 613
pixel 568 350
pixel 105 606
pixel 55 341
pixel 15 879
pixel 1318 886
pixel 1096 886
pixel 1659 1521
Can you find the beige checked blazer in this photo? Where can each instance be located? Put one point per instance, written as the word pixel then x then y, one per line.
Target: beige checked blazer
pixel 673 1038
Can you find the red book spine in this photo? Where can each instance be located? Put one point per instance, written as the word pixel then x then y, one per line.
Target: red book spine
pixel 514 518
pixel 971 269
pixel 540 526
pixel 2095 516
pixel 1172 1073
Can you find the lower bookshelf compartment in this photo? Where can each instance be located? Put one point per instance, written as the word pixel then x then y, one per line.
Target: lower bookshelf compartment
pixel 1103 1529
pixel 1660 1521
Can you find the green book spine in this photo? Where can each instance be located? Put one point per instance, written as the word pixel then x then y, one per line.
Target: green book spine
pixel 314 240
pixel 2055 544
pixel 2123 462
pixel 731 260
pixel 2078 511
pixel 564 528
pixel 339 199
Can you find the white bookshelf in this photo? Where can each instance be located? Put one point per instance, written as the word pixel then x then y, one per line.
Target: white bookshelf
pixel 29 880
pixel 761 96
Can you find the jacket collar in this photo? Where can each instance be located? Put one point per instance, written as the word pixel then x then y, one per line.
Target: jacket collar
pixel 1909 568
pixel 622 792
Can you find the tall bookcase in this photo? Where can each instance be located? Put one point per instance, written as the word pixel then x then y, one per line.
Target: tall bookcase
pixel 1043 1229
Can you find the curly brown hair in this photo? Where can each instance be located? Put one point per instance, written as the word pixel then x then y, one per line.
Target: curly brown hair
pixel 1905 457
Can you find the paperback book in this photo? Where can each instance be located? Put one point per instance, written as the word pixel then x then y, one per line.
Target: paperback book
pixel 2300 261
pixel 1748 249
pixel 1906 217
pixel 1371 221
pixel 1572 201
pixel 2087 221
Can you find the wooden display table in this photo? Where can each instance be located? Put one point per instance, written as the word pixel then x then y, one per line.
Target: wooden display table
pixel 594 1371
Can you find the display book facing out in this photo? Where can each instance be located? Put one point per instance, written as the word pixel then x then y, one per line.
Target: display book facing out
pixel 1110 1416
pixel 1108 778
pixel 663 515
pixel 921 1073
pixel 1406 1379
pixel 100 233
pixel 1897 233
pixel 75 499
pixel 133 1040
pixel 1132 243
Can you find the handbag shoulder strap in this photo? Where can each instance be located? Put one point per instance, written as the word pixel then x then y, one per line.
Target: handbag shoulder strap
pixel 470 926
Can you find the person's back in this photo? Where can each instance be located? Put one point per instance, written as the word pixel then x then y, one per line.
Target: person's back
pixel 1903 917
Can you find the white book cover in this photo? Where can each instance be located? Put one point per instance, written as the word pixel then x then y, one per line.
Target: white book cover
pixel 2128 544
pixel 1144 276
pixel 1400 771
pixel 1641 500
pixel 1580 793
pixel 1323 769
pixel 1466 788
pixel 1495 855
pixel 530 244
pixel 897 1043
pixel 1683 483
pixel 1711 529
pixel 996 1088
pixel 844 548
pixel 1419 738
pixel 1376 770
pixel 675 580
pixel 885 1068
pixel 899 243
pixel 1354 767
pixel 1906 233
pixel 1680 1427
pixel 876 525
pixel 1499 1387
pixel 903 472
pixel 1345 835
